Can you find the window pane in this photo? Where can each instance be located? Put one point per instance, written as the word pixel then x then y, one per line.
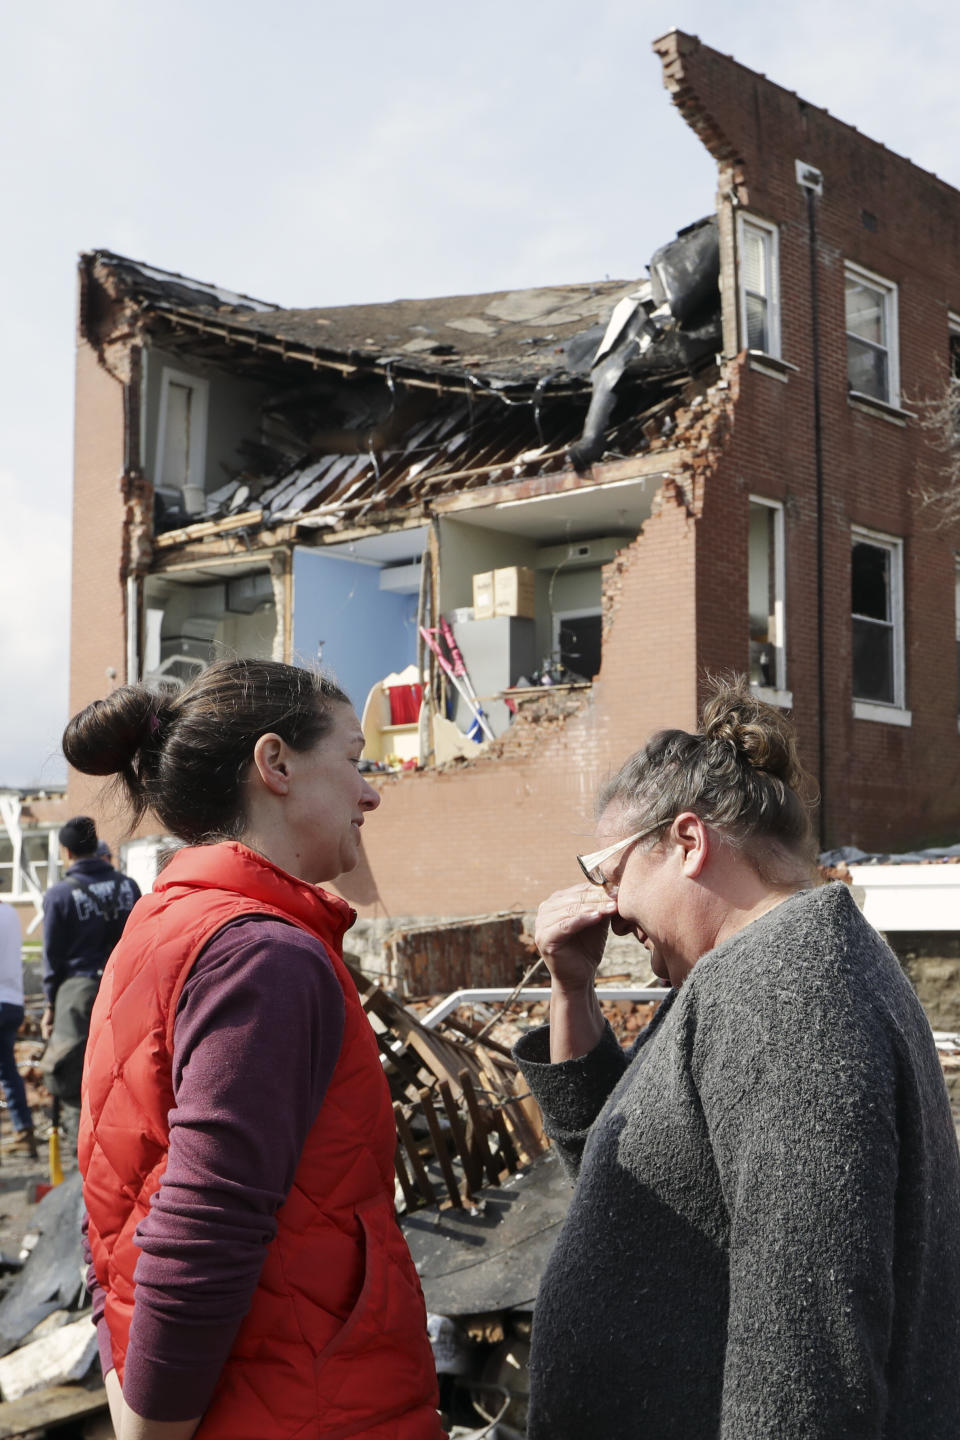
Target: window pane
pixel 767 666
pixel 870 581
pixel 865 307
pixel 867 369
pixel 36 858
pixel 763 664
pixel 580 643
pixel 758 335
pixel 754 269
pixel 762 579
pixel 873 662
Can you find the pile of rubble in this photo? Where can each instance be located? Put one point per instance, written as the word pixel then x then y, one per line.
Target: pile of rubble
pixel 49 1373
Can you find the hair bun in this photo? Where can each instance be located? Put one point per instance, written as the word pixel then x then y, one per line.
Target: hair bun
pixel 106 737
pixel 759 734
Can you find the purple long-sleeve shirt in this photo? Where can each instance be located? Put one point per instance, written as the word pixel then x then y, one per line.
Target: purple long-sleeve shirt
pixel 257 1034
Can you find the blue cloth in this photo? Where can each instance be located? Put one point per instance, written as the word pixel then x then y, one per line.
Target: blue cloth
pixel 11 1018
pixel 83 918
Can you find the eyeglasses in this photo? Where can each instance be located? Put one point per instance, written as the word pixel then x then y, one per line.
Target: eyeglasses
pixel 590 864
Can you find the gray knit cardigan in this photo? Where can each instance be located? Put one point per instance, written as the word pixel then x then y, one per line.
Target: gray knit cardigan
pixel 764 1238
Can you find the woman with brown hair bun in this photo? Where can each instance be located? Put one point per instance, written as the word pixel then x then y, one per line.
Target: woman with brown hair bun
pixel 764 1238
pixel 237 1137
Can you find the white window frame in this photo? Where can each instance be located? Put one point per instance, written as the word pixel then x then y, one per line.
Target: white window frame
pixel 23 886
pixel 895 712
pixel 771 269
pixel 890 293
pixel 779 693
pixel 199 407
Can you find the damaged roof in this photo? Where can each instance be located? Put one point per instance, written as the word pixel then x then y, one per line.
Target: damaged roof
pixel 513 337
pixel 406 401
pixel 463 447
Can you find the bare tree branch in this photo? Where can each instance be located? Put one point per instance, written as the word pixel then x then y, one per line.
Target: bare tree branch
pixel 939 417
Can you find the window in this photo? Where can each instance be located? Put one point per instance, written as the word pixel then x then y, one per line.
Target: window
pixel 29 867
pixel 182 438
pixel 767 587
pixel 876 574
pixel 759 286
pixel 872 360
pixel 954 328
pixel 577 640
pixel 956 612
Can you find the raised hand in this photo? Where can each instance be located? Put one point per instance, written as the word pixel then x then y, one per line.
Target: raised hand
pixel 571 933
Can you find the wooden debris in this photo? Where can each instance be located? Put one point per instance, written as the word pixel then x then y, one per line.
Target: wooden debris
pixel 63 1355
pixel 481 1127
pixel 440 1146
pixel 46 1409
pixel 463 1116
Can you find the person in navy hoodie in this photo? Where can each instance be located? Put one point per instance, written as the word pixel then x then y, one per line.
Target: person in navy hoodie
pixel 83 918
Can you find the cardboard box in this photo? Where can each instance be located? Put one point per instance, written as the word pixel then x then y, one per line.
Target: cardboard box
pixel 483 595
pixel 514 592
pixel 510 591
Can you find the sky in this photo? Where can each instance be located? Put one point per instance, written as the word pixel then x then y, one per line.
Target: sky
pixel 319 154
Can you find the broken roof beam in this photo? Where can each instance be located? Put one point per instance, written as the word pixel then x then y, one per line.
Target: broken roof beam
pixel 247 519
pixel 664 465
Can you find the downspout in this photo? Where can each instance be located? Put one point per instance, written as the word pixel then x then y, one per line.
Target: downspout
pixel 818 465
pixel 133 630
pixel 132 477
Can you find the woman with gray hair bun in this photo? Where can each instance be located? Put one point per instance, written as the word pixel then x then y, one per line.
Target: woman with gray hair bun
pixel 764 1238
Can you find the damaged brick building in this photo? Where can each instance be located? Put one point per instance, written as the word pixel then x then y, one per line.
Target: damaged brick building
pixel 714 466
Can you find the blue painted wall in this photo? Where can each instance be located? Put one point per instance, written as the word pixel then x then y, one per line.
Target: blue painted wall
pixel 366 632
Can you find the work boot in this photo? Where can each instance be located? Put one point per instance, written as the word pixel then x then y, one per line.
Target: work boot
pixel 23 1144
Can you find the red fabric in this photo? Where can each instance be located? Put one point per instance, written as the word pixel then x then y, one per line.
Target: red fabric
pixel 405 703
pixel 334 1344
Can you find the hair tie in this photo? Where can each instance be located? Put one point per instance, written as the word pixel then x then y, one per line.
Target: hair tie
pixel 153 723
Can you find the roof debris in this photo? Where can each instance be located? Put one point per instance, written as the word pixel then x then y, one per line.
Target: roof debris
pixel 389 407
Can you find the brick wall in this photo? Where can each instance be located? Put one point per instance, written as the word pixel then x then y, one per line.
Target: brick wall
pixel 885 786
pixel 501 832
pixel 97 618
pixel 498 832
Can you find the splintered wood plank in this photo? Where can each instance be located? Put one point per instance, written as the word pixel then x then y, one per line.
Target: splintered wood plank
pixel 413 1154
pixel 480 1127
pixel 529 1140
pixel 515 1149
pixel 400 1062
pixel 440 1147
pixel 442 1057
pixel 56 1405
pixel 472 1031
pixel 472 1169
pixel 406 1185
pixel 530 1110
pixel 508 1150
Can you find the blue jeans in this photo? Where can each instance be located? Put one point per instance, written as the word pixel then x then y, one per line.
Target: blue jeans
pixel 11 1017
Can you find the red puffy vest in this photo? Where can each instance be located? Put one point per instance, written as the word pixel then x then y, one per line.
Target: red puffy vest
pixel 334 1343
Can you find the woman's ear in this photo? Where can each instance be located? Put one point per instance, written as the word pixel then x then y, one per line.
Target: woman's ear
pixel 270 761
pixel 693 837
